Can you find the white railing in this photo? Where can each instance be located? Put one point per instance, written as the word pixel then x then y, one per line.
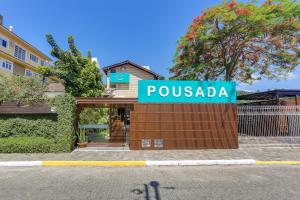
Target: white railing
pixel 269 121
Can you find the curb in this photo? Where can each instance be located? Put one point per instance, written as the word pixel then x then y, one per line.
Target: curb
pixel 199 162
pixel 93 163
pixel 142 163
pixel 21 164
pixel 288 162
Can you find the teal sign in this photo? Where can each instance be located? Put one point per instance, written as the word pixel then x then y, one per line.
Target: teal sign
pixel 164 91
pixel 119 77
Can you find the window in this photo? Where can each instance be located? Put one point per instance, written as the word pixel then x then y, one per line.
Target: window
pixel 42 63
pixel 3 42
pixel 20 53
pixel 6 65
pixel 34 58
pixel 28 72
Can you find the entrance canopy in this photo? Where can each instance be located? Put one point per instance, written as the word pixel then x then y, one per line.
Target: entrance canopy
pixel 270 95
pixel 94 101
pixel 118 114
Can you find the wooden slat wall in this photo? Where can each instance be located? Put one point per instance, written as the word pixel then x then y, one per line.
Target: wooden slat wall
pixel 185 126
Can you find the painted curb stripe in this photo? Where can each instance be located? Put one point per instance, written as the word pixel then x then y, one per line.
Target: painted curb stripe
pixel 143 163
pixel 21 164
pixel 93 163
pixel 277 162
pixel 199 162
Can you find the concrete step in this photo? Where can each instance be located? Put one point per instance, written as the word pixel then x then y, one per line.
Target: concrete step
pixel 125 148
pixel 278 145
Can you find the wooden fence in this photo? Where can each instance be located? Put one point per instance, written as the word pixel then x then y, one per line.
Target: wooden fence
pixel 183 126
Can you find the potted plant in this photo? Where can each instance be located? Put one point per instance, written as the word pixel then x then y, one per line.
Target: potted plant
pixel 82 139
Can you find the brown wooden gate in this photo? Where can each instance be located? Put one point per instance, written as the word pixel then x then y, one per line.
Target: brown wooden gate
pixel 183 126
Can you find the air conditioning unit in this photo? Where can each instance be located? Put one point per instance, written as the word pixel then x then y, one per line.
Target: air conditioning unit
pixel 108 92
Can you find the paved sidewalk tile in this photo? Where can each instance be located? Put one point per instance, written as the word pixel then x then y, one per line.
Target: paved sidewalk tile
pixel 251 153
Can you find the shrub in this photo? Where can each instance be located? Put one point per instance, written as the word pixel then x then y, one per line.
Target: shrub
pixel 65 136
pixel 22 89
pixel 58 129
pixel 26 145
pixel 28 127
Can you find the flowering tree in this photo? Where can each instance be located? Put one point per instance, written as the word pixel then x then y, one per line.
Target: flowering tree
pixel 241 41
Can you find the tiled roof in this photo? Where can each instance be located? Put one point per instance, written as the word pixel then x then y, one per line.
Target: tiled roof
pixel 105 69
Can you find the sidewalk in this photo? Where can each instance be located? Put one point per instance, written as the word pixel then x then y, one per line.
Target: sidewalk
pixel 265 154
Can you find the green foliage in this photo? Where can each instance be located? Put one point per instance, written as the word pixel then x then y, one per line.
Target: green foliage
pixel 26 145
pixel 161 78
pixel 81 76
pixel 5 93
pixel 65 108
pixel 241 41
pixel 12 127
pixel 45 71
pixel 94 116
pixel 57 129
pixel 22 89
pixel 81 135
pixel 103 133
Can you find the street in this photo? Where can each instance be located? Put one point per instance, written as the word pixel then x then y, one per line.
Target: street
pixel 159 183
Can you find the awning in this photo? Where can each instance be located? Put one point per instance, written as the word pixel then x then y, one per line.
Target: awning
pixel 270 95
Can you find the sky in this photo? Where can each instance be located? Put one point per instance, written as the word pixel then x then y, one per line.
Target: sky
pixel 143 31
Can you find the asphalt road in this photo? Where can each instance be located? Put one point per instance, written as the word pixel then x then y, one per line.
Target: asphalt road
pixel 188 183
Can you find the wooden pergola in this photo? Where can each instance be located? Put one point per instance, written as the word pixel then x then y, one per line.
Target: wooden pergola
pixel 92 101
pixel 110 103
pixel 88 102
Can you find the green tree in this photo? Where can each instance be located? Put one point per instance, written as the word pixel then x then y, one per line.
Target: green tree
pixel 81 76
pixel 22 89
pixel 240 41
pixel 94 116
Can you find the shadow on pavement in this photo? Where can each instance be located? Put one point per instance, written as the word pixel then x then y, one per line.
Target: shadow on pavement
pixel 154 187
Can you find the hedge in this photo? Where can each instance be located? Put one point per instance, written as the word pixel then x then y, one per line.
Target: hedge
pixel 66 109
pixel 56 129
pixel 20 126
pixel 26 145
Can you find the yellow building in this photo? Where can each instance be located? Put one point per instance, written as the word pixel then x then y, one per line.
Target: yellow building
pixel 17 56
